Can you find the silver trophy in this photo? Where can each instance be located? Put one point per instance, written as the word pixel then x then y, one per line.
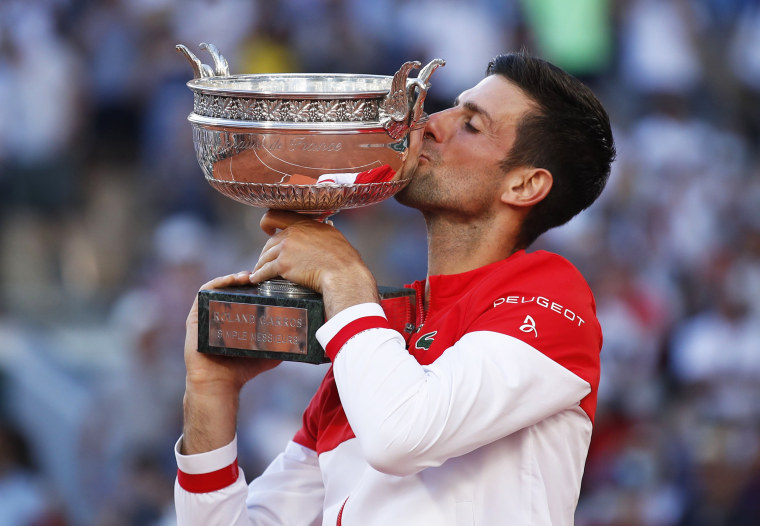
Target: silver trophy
pixel 310 143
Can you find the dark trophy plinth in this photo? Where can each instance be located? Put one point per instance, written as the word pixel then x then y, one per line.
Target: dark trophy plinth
pixel 310 143
pixel 243 321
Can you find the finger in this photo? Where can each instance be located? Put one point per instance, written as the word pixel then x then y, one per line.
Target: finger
pixel 268 255
pixel 229 280
pixel 275 220
pixel 264 272
pixel 271 242
pixel 191 322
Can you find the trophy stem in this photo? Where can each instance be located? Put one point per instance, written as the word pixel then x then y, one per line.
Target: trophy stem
pixel 284 288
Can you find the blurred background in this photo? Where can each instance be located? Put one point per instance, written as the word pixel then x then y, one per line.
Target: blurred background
pixel 107 229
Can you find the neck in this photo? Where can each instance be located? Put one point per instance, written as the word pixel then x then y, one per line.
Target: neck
pixel 459 246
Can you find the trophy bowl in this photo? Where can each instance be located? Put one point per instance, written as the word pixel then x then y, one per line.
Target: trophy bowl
pixel 311 143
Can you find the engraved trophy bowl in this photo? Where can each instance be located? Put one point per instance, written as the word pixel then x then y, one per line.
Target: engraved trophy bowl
pixel 311 143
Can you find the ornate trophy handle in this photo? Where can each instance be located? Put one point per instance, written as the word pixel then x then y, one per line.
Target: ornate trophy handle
pixel 200 70
pixel 221 67
pixel 394 110
pixel 402 107
pixel 422 84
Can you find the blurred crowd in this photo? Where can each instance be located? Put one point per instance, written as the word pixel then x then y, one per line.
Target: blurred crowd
pixel 107 229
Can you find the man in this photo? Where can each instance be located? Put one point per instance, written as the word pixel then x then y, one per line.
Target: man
pixel 484 416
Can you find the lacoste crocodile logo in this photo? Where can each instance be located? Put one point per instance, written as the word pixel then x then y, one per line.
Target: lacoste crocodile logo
pixel 425 341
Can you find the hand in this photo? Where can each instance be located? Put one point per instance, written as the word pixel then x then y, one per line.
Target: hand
pixel 317 256
pixel 213 383
pixel 215 373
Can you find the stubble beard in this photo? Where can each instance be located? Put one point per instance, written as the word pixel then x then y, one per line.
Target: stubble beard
pixel 423 190
pixel 435 190
pixel 413 195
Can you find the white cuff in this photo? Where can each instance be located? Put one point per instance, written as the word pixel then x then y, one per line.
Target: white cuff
pixel 328 331
pixel 208 461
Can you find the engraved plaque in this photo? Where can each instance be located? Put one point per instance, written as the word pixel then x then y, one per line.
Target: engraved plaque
pixel 257 327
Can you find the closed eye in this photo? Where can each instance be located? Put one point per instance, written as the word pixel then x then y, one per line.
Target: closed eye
pixel 470 128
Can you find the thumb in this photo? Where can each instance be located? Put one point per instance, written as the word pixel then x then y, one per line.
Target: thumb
pixel 275 220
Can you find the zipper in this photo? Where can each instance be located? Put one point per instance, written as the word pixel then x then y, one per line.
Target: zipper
pixel 420 314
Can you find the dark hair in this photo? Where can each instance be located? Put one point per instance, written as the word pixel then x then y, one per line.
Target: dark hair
pixel 568 133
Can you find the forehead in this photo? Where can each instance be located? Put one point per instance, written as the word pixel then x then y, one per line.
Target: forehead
pixel 504 102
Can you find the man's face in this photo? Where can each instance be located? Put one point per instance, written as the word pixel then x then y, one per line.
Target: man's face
pixel 458 169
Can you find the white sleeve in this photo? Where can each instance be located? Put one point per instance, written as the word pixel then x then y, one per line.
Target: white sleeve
pixel 289 492
pixel 408 417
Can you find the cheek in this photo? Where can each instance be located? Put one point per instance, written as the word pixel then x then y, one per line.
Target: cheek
pixel 470 153
pixel 467 168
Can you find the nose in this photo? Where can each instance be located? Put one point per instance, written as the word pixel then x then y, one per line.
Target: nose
pixel 437 126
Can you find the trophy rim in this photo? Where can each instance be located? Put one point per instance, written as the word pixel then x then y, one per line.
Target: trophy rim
pixel 312 127
pixel 316 127
pixel 225 85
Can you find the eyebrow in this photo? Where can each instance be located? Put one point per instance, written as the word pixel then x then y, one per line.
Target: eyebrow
pixel 475 108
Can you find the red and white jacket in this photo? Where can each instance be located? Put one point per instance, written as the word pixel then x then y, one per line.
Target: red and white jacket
pixel 484 417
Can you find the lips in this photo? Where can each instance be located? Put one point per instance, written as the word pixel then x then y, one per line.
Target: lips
pixel 428 153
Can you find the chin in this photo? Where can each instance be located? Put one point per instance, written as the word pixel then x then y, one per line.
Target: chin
pixel 416 194
pixel 407 196
pixel 413 195
pixel 401 196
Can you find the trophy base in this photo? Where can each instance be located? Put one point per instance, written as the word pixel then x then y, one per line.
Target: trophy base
pixel 257 321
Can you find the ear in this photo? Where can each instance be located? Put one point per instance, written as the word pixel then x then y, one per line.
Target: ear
pixel 526 186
